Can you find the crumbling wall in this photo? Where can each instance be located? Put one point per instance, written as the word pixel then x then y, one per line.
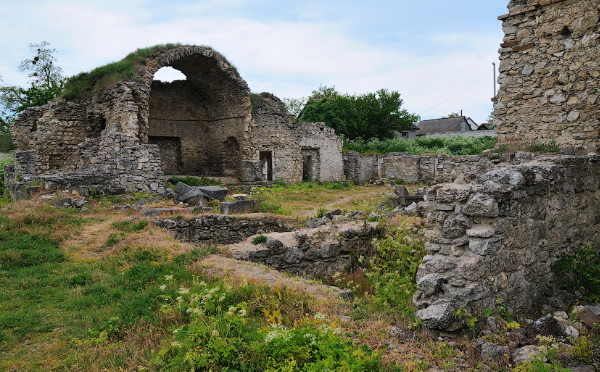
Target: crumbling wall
pixel 549 72
pixel 423 168
pixel 498 237
pixel 273 130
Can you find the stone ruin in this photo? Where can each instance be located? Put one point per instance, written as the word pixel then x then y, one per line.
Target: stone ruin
pixel 494 229
pixel 550 74
pixel 127 135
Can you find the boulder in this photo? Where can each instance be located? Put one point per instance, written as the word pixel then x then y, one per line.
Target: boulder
pixel 525 353
pixel 214 192
pixel 588 314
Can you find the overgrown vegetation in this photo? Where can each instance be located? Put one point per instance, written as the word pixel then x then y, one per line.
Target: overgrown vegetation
pixel 545 147
pixel 5 159
pixel 6 143
pixel 259 239
pixel 387 280
pixel 421 146
pixel 194 181
pixel 83 84
pixel 580 271
pixel 250 328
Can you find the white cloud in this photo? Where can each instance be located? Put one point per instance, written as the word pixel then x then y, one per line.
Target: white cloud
pixel 288 58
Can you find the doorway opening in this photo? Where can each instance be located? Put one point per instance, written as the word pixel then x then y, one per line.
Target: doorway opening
pixel 266 165
pixel 311 164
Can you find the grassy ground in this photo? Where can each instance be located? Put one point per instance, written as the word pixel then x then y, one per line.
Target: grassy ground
pixel 307 198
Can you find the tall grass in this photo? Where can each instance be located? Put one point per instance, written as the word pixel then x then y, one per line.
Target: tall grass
pixel 420 146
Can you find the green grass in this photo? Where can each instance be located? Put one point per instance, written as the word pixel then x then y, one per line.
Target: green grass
pixel 420 146
pixel 130 226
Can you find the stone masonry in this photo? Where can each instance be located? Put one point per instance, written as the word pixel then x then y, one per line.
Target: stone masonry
pixel 129 133
pixel 499 236
pixel 549 74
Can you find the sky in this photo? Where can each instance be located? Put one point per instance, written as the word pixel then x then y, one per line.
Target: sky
pixel 438 53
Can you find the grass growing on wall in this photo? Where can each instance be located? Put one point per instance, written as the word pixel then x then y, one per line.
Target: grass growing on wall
pixel 420 146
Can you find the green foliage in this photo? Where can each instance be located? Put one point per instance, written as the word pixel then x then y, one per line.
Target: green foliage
pixel 194 181
pixel 545 147
pixel 224 333
pixel 426 145
pixel 5 159
pixel 20 249
pixel 83 84
pixel 500 310
pixel 46 83
pixel 259 239
pixel 545 362
pixel 580 271
pixel 130 226
pixel 392 269
pixel 6 143
pixel 371 115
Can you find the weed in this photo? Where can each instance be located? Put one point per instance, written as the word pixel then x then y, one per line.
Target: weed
pixel 500 310
pixel 113 239
pixel 321 212
pixel 259 239
pixel 580 271
pixel 545 147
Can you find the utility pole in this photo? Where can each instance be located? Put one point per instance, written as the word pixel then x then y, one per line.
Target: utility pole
pixel 494 64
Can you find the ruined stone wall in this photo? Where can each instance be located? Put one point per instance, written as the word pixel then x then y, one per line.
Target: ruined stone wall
pixel 498 236
pixel 423 168
pixel 323 139
pixel 193 139
pixel 549 73
pixel 212 229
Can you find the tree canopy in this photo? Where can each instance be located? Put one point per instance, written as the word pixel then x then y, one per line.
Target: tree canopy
pixel 45 83
pixel 371 115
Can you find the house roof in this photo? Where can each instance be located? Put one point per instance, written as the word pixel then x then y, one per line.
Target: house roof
pixel 454 124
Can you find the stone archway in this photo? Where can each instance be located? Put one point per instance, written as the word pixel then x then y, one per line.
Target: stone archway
pixel 195 122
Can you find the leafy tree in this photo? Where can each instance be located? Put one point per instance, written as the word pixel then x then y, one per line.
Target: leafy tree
pixel 371 115
pixel 45 83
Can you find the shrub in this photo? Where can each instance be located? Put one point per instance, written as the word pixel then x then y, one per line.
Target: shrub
pixel 580 271
pixel 259 239
pixel 420 146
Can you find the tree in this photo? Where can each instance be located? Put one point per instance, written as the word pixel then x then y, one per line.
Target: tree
pixel 45 83
pixel 371 115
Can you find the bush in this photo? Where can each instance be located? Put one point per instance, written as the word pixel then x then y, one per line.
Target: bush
pixel 580 271
pixel 420 146
pixel 259 239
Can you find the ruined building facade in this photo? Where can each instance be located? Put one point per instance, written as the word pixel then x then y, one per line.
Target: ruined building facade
pixel 130 132
pixel 550 73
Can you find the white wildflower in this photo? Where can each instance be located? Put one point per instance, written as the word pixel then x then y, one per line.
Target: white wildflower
pixel 183 291
pixel 168 277
pixel 242 313
pixel 175 330
pixel 215 333
pixel 320 316
pixel 163 287
pixel 176 344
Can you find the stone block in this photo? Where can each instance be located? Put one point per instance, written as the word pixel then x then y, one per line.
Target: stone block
pixel 239 206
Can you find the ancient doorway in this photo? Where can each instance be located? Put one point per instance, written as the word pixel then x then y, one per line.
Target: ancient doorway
pixel 266 165
pixel 311 165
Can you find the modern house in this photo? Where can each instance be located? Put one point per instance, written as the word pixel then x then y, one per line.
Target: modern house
pixel 452 125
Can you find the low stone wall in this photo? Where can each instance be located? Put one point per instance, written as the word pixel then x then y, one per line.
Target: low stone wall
pixel 423 168
pixel 499 236
pixel 212 229
pixel 313 253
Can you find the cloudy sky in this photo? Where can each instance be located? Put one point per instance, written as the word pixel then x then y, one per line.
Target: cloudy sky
pixel 438 53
